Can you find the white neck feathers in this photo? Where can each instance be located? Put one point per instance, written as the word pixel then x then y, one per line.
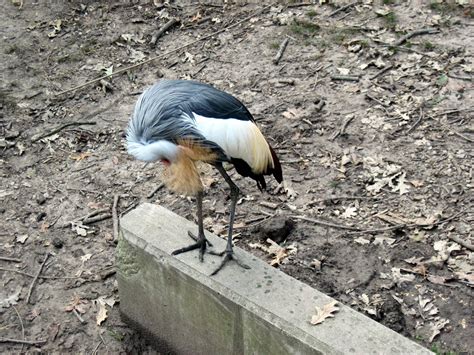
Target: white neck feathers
pixel 153 151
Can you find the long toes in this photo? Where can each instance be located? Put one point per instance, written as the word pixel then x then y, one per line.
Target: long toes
pixel 197 238
pixel 185 249
pixel 218 253
pixel 227 257
pixel 192 236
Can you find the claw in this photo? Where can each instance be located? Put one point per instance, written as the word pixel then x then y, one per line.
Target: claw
pixel 201 244
pixel 229 255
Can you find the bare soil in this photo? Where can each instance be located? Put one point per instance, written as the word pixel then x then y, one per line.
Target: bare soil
pixel 380 165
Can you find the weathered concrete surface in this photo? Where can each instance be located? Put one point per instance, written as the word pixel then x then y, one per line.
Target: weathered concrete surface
pixel 257 311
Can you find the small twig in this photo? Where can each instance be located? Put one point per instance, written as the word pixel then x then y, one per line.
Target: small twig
pixel 87 216
pixel 41 276
pixel 36 278
pixel 21 324
pixel 369 96
pixel 115 219
pixel 461 242
pixel 289 6
pixel 410 225
pixel 343 197
pixel 328 224
pixel 163 29
pixel 345 77
pixel 420 117
pixel 460 77
pixel 281 50
pixel 449 112
pixel 60 128
pixel 381 71
pixel 96 219
pixel 78 315
pixel 341 131
pixel 161 55
pixel 155 190
pixel 356 230
pixel 460 135
pixel 97 347
pixel 420 32
pixel 13 260
pixel 19 341
pixel 343 8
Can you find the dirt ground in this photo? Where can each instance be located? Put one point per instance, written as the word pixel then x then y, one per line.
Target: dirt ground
pixel 374 131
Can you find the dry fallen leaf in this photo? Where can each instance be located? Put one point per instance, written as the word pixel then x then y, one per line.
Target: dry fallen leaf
pixel 80 156
pixel 436 327
pixel 7 301
pixel 349 212
pixel 76 304
pixel 102 313
pixel 278 252
pixel 326 312
pixel 21 238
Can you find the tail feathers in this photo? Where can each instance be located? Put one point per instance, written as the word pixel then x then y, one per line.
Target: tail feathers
pixel 245 170
pixel 276 171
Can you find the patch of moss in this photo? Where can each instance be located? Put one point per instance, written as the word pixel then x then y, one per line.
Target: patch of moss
pixel 302 27
pixel 11 49
pixel 311 13
pixel 428 45
pixel 274 45
pixel 438 350
pixel 391 20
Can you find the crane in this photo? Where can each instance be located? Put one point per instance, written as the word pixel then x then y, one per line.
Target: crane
pixel 181 122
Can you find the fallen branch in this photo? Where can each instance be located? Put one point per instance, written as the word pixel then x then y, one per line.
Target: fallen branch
pixel 123 70
pixel 163 29
pixel 36 278
pixel 281 50
pixel 343 8
pixel 461 242
pixel 345 77
pixel 19 341
pixel 59 129
pixel 13 260
pixel 420 32
pixel 115 219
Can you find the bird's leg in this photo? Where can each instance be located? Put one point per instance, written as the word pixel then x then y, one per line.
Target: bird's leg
pixel 228 253
pixel 201 240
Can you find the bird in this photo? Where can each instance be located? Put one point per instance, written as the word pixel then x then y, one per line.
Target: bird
pixel 183 122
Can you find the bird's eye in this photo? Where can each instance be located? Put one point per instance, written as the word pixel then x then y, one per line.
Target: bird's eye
pixel 165 161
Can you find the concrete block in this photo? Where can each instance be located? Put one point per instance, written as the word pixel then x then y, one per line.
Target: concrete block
pixel 183 310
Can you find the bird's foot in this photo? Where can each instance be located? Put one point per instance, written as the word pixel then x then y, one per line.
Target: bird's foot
pixel 201 244
pixel 197 238
pixel 228 255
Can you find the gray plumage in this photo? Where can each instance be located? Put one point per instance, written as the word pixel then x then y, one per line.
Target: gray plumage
pixel 165 112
